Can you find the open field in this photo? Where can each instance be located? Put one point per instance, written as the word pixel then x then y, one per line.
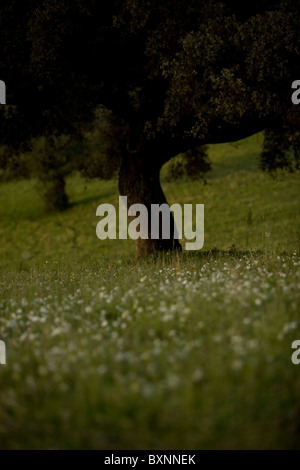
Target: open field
pixel 188 351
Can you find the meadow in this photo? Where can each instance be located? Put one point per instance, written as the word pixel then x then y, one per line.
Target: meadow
pixel 183 351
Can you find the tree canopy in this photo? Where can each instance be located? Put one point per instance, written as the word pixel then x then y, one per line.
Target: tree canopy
pixel 186 69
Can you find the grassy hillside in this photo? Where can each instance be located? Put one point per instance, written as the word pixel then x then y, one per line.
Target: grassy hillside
pixel 189 351
pixel 244 208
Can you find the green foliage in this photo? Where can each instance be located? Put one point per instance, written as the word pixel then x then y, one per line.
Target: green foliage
pixel 280 150
pixel 103 146
pixel 11 165
pixel 50 161
pixel 193 165
pixel 228 70
pixel 95 153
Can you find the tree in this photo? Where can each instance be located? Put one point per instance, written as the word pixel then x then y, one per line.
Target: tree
pixel 193 165
pixel 281 150
pixel 174 76
pixel 50 161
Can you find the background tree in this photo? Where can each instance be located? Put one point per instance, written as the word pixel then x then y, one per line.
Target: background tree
pixel 281 149
pixel 193 165
pixel 50 161
pixel 174 76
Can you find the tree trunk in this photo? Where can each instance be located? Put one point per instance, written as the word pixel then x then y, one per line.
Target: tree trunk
pixel 54 193
pixel 139 181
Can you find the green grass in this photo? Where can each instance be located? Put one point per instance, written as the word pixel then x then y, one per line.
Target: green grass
pixel 175 352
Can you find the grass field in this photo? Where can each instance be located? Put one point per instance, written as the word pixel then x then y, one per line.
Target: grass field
pixel 189 351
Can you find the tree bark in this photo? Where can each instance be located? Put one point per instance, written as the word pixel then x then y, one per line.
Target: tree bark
pixel 139 180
